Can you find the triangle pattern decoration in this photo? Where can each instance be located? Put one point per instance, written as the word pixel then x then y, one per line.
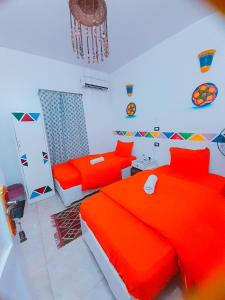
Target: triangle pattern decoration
pixel 168 134
pixel 24 160
pixel 185 135
pixel 34 116
pixel 219 139
pixel 18 115
pixel 137 134
pixel 155 134
pixel 34 195
pixel 176 136
pixel 129 133
pixel 27 118
pixel 143 133
pixel 45 157
pixel 41 190
pixel 47 189
pixel 197 138
pixel 149 135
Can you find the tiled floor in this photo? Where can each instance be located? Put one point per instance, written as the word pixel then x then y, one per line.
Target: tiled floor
pixel 69 273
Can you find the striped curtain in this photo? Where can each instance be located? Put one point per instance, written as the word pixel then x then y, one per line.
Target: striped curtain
pixel 65 125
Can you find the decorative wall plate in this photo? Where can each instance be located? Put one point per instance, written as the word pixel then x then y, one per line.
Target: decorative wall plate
pixel 204 94
pixel 131 109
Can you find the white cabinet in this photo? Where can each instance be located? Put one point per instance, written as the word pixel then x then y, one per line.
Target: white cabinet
pixel 33 155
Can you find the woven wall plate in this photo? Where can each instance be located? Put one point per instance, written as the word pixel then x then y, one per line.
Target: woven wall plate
pixel 88 12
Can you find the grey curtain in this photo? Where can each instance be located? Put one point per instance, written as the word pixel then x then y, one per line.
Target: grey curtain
pixel 65 125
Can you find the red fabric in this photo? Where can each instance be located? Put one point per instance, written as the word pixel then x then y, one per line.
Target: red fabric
pixel 191 216
pixel 98 175
pixel 125 162
pixel 144 260
pixel 192 163
pixel 66 175
pixel 124 149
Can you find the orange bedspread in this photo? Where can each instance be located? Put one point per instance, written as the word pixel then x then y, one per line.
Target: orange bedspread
pixel 143 259
pixel 98 175
pixel 191 216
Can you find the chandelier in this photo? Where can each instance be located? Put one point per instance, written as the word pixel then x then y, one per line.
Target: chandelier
pixel 89 33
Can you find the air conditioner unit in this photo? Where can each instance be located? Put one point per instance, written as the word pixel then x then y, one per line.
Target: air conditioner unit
pixel 94 83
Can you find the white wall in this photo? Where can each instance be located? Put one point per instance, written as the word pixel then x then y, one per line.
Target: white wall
pixel 164 79
pixel 21 75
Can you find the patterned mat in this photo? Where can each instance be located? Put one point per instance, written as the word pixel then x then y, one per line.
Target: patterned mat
pixel 67 224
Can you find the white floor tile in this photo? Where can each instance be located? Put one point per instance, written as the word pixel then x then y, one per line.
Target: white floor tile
pixel 73 272
pixel 41 286
pixel 100 292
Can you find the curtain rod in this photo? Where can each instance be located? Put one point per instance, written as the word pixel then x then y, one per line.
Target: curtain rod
pixel 59 92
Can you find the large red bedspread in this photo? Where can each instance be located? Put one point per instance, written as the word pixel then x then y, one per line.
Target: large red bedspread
pixel 191 216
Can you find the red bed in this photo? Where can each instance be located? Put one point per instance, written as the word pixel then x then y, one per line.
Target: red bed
pixel 79 171
pixel 147 238
pixel 79 177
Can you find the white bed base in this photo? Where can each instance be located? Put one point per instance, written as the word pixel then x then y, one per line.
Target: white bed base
pixel 115 282
pixel 75 193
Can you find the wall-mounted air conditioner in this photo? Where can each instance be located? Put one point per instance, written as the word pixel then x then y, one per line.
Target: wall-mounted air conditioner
pixel 94 83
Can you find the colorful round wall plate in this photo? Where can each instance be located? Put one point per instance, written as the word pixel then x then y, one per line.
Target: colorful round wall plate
pixel 131 109
pixel 204 94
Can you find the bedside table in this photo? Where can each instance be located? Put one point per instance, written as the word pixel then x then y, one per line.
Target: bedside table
pixel 139 166
pixel 134 171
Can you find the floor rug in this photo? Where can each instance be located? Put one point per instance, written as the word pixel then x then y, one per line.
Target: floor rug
pixel 67 224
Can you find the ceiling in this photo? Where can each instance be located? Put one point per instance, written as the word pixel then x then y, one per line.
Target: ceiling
pixel 42 27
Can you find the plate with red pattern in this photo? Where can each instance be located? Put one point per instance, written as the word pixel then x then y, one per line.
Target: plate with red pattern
pixel 204 94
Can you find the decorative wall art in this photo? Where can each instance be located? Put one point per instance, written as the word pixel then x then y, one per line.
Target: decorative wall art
pixel 26 117
pixel 206 59
pixel 204 94
pixel 178 136
pixel 45 157
pixel 24 160
pixel 131 110
pixel 130 88
pixel 31 141
pixel 89 32
pixel 40 191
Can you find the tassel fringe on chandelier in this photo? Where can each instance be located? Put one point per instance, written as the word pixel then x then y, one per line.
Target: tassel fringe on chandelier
pixel 89 31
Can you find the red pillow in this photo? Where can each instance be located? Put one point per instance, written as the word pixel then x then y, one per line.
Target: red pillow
pixel 124 149
pixel 190 162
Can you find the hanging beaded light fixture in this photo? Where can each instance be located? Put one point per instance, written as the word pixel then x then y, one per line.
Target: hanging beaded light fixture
pixel 89 32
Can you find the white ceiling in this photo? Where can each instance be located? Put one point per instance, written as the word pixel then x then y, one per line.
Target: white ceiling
pixel 42 27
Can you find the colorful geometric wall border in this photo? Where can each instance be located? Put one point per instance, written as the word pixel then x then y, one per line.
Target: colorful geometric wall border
pixel 26 117
pixel 45 157
pixel 24 160
pixel 179 136
pixel 40 191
